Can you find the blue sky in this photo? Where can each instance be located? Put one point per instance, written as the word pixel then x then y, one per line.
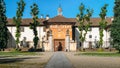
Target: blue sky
pixel 70 7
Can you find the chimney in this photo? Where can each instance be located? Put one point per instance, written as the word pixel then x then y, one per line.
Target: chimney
pixel 41 16
pixel 112 19
pixel 47 17
pixel 105 17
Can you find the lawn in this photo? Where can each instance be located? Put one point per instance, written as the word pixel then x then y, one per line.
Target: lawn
pixel 108 54
pixel 23 65
pixel 21 60
pixel 18 53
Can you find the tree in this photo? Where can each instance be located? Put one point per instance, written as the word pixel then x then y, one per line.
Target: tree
pixel 82 18
pixel 18 20
pixel 3 27
pixel 102 24
pixel 115 27
pixel 88 23
pixel 34 13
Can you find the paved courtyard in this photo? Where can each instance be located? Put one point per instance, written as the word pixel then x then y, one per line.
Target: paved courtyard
pixel 23 61
pixel 59 60
pixel 93 61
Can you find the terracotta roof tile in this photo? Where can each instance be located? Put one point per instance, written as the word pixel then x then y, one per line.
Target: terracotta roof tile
pixel 25 22
pixel 95 21
pixel 60 18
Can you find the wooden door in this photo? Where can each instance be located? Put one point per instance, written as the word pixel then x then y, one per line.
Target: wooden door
pixel 57 43
pixel 90 45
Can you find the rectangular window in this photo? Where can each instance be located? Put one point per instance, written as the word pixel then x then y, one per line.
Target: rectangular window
pixel 21 29
pixel 90 36
pixel 90 29
pixel 44 29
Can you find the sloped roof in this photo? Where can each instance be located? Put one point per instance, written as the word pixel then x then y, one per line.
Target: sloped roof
pixel 60 18
pixel 95 21
pixel 25 22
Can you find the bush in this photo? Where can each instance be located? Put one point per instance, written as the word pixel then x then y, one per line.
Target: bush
pixel 100 50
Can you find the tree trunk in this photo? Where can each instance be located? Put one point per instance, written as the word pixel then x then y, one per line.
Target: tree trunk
pixel 100 49
pixel 35 48
pixel 119 51
pixel 3 49
pixel 100 46
pixel 17 47
pixel 82 49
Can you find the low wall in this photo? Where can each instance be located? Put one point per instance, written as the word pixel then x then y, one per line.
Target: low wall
pixel 46 46
pixel 73 46
pixel 94 44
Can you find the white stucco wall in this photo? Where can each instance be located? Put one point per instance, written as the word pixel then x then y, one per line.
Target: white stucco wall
pixel 28 33
pixel 95 35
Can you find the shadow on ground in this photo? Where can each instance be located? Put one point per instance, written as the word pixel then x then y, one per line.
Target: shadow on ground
pixel 11 59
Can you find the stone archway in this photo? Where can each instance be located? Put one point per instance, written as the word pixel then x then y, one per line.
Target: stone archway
pixel 59 44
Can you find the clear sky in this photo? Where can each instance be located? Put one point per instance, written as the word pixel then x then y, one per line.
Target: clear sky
pixel 70 7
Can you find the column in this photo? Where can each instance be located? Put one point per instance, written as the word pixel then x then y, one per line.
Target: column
pixel 67 41
pixel 51 41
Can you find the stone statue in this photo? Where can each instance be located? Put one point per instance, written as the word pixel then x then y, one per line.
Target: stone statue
pixel 50 32
pixel 67 32
pixel 24 42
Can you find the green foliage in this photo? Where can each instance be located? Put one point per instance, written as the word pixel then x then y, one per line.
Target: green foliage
pixel 87 18
pixel 3 27
pixel 16 53
pixel 115 27
pixel 102 24
pixel 34 13
pixel 105 54
pixel 84 21
pixel 18 20
pixel 35 41
pixel 100 50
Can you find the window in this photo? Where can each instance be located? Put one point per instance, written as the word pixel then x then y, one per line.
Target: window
pixel 90 36
pixel 21 29
pixel 90 29
pixel 44 29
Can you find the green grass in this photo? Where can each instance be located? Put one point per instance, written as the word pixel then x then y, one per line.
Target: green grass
pixel 15 60
pixel 18 53
pixel 23 65
pixel 108 54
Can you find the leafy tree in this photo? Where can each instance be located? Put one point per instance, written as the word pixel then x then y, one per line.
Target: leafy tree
pixel 115 27
pixel 3 27
pixel 88 23
pixel 82 18
pixel 18 20
pixel 102 23
pixel 34 13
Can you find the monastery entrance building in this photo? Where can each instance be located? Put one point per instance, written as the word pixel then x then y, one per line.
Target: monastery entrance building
pixel 59 33
pixel 61 30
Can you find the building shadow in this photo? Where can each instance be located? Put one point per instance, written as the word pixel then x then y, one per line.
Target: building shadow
pixel 11 59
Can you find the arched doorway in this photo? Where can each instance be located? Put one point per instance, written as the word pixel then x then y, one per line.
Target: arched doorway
pixel 59 44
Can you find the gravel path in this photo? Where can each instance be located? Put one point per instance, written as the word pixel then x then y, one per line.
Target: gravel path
pixel 59 60
pixel 32 61
pixel 40 58
pixel 93 61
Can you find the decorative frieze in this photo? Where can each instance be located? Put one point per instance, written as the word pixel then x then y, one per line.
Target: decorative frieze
pixel 60 26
